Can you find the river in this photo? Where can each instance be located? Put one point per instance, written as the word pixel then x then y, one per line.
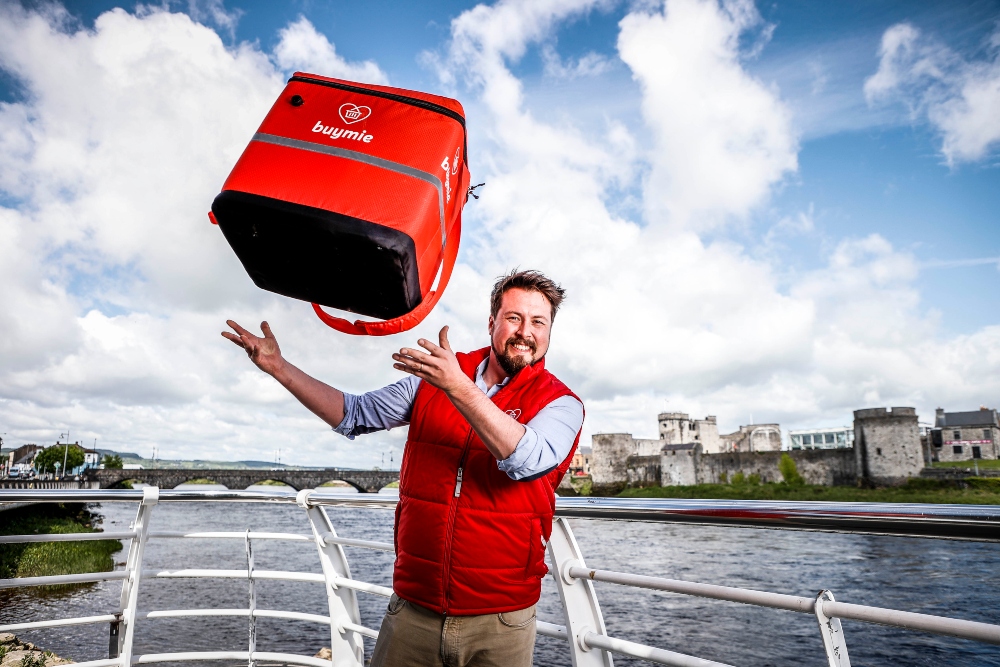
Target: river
pixel 957 579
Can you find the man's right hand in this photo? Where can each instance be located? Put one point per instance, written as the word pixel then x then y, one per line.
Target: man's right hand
pixel 263 352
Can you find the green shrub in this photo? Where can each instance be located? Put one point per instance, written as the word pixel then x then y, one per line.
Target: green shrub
pixel 724 478
pixel 790 471
pixel 112 462
pixel 753 479
pixel 738 478
pixel 51 558
pixel 984 483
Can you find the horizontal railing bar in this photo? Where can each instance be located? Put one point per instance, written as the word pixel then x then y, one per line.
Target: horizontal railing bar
pixel 59 579
pixel 289 658
pixel 958 522
pixel 234 574
pixel 644 652
pixel 258 613
pixel 963 522
pixel 362 586
pixel 360 629
pixel 58 623
pixel 66 537
pixel 268 575
pixel 293 537
pixel 728 593
pixel 550 629
pixel 940 625
pixel 329 538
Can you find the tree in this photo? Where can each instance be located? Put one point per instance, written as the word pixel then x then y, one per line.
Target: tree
pixel 790 471
pixel 112 462
pixel 48 457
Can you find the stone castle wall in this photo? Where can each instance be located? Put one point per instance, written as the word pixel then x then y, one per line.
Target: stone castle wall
pixel 887 451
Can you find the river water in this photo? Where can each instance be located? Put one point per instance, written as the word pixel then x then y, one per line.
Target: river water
pixel 958 579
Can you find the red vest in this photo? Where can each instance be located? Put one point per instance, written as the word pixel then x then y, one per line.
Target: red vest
pixel 472 542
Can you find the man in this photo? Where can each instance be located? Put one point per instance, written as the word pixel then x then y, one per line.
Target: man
pixel 491 435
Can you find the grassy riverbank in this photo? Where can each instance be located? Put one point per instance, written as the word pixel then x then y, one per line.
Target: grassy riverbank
pixel 50 558
pixel 973 491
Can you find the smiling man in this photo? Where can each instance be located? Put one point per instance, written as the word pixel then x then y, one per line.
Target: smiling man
pixel 491 435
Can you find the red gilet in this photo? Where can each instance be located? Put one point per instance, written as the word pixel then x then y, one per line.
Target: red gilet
pixel 472 542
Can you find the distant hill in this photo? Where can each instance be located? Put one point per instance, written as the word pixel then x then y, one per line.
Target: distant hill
pixel 200 464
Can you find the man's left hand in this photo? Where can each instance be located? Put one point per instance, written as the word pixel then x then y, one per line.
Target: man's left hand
pixel 438 365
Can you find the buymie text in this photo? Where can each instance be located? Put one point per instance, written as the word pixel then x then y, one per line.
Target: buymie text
pixel 341 133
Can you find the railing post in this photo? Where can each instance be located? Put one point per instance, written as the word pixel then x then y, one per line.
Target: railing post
pixel 579 600
pixel 252 604
pixel 832 632
pixel 133 565
pixel 346 646
pixel 113 634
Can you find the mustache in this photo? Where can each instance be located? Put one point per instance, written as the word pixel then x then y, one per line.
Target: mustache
pixel 517 340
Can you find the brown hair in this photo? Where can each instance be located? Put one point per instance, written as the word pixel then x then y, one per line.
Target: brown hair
pixel 532 281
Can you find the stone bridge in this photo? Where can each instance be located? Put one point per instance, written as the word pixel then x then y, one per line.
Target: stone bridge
pixel 365 481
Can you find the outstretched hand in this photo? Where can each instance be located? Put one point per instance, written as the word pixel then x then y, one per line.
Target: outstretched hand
pixel 438 365
pixel 263 352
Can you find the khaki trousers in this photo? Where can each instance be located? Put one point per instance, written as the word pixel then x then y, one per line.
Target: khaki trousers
pixel 412 636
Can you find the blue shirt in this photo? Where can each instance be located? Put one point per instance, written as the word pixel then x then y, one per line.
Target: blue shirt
pixel 546 442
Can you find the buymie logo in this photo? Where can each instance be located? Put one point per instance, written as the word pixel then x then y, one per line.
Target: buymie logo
pixel 350 113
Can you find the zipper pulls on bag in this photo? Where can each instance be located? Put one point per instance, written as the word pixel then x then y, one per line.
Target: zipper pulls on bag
pixel 458 483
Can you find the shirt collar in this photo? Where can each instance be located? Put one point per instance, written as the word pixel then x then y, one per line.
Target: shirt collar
pixel 489 391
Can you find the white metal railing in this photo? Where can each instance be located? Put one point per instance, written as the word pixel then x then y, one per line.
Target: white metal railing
pixel 584 630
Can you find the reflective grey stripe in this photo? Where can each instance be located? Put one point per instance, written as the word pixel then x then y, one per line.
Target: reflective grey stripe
pixel 360 157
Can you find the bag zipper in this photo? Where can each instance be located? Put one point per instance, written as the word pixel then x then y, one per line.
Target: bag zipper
pixel 412 101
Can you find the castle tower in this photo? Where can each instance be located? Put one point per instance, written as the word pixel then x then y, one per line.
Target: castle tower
pixel 887 445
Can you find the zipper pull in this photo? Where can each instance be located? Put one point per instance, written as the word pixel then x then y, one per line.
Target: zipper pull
pixel 458 483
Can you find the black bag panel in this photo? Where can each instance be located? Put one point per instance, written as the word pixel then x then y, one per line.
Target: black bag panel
pixel 320 256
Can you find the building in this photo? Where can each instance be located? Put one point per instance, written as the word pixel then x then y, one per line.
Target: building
pixel 677 428
pixel 22 460
pixel 580 463
pixel 753 438
pixel 822 438
pixel 884 448
pixel 963 436
pixel 887 448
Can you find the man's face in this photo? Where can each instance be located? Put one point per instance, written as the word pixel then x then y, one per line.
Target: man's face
pixel 520 331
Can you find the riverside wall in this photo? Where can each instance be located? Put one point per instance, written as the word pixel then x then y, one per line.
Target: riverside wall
pixel 887 451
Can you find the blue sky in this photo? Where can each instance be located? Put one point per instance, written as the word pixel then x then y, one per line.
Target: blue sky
pixel 824 239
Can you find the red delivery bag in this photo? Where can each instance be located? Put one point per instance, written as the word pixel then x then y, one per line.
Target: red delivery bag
pixel 350 196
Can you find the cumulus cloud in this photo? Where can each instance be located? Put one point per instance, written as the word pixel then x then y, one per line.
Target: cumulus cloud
pixel 723 138
pixel 115 283
pixel 589 64
pixel 959 97
pixel 303 48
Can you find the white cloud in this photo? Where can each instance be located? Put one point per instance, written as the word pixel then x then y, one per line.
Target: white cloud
pixel 723 138
pixel 959 97
pixel 303 48
pixel 589 64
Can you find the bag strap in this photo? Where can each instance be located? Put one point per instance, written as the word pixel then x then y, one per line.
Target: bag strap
pixel 412 318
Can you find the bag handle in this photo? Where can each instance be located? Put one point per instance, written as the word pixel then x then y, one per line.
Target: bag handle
pixel 412 318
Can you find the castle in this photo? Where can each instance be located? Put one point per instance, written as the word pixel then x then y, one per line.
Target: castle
pixel 887 450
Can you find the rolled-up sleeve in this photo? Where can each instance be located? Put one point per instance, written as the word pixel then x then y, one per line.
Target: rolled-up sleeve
pixel 378 410
pixel 547 440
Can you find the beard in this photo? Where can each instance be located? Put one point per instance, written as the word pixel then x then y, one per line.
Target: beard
pixel 511 361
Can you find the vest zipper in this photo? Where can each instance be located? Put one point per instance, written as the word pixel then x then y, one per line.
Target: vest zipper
pixel 452 515
pixel 412 101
